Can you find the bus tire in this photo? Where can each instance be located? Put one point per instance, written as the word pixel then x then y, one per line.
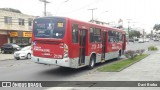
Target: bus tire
pixel 28 56
pixel 92 62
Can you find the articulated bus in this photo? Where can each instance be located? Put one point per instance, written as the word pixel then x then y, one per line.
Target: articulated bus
pixel 72 43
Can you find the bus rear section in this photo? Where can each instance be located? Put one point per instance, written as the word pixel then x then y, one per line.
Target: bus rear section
pixel 48 46
pixel 47 52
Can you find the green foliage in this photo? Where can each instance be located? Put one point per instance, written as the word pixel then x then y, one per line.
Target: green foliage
pixel 156 27
pixel 140 52
pixel 134 33
pixel 152 48
pixel 130 54
pixel 121 64
pixel 133 53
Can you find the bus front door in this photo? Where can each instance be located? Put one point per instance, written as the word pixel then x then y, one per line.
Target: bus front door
pixel 103 46
pixel 82 46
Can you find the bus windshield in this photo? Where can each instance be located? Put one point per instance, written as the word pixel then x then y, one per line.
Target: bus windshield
pixel 49 27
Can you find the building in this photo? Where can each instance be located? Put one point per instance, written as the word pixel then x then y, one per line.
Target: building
pixel 99 22
pixel 15 28
pixel 111 24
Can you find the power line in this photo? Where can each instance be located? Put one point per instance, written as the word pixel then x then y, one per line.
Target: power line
pixel 81 8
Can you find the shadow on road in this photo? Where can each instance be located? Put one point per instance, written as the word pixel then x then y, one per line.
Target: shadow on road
pixel 64 72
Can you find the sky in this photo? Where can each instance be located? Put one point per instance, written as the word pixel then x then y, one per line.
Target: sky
pixel 140 13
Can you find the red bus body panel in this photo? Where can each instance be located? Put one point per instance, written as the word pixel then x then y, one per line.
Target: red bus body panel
pixel 48 49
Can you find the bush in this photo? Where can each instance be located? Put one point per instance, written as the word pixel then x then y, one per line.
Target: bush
pixel 152 48
pixel 130 54
pixel 140 52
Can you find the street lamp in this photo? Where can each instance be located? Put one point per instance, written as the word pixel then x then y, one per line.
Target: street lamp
pixel 92 13
pixel 45 2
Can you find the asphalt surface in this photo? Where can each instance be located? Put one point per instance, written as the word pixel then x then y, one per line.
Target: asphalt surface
pixel 26 70
pixel 136 45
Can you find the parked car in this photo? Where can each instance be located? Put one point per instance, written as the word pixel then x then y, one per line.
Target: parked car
pixel 136 39
pixel 156 39
pixel 147 40
pixel 131 40
pixel 24 53
pixel 10 48
pixel 141 40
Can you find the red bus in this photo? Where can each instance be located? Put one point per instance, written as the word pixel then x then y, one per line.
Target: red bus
pixel 71 43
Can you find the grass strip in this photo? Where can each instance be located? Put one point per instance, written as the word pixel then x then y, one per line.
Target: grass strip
pixel 121 64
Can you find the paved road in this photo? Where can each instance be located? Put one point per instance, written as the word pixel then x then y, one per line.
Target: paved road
pixel 26 70
pixel 136 45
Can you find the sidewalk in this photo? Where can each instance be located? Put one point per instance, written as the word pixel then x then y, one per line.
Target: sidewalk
pixel 6 57
pixel 147 69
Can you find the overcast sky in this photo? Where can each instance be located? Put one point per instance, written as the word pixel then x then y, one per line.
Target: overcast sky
pixel 142 13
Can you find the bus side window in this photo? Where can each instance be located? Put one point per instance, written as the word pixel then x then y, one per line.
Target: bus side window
pixel 120 37
pixel 111 36
pixel 95 35
pixel 91 35
pixel 117 36
pixel 75 33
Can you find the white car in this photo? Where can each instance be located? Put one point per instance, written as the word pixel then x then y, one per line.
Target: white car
pixel 146 39
pixel 24 53
pixel 141 40
pixel 155 39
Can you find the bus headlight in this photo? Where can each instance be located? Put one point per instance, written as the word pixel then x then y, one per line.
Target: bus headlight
pixel 65 51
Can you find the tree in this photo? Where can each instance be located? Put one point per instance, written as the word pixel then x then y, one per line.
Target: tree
pixel 134 33
pixel 156 27
pixel 149 35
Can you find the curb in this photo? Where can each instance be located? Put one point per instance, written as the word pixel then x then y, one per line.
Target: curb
pixel 134 63
pixel 126 66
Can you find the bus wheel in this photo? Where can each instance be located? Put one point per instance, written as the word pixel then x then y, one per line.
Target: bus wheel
pixel 92 62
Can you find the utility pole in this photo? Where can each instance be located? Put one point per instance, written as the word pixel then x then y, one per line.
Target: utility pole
pixel 128 28
pixel 45 3
pixel 143 35
pixel 92 12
